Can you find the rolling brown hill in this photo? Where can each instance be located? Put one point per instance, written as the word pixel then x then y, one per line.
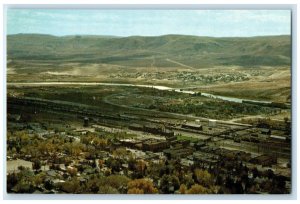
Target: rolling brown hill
pixel 138 51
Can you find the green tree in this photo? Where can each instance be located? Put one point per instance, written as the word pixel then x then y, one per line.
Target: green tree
pixel 106 189
pixel 36 165
pixel 72 186
pixel 117 181
pixel 141 167
pixel 169 183
pixel 203 177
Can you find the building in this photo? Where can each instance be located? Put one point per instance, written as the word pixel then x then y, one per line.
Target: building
pixel 154 145
pixel 171 138
pixel 178 152
pixel 136 127
pixel 199 145
pixel 192 126
pixel 234 154
pixel 186 163
pixel 134 144
pixel 264 160
pixel 205 159
pixel 153 129
pixel 168 133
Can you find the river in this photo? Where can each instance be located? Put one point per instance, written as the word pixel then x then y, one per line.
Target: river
pixel 225 98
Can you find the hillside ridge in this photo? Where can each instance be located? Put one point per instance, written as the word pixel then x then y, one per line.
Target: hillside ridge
pixel 194 51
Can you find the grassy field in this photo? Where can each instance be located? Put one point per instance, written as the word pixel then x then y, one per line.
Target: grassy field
pixel 109 98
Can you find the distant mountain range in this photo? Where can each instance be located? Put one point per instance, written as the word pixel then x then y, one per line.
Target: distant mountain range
pixel 158 51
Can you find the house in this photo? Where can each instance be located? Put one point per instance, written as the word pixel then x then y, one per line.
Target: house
pixel 52 173
pixel 186 162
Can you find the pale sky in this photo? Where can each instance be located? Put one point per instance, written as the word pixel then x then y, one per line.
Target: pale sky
pixel 217 23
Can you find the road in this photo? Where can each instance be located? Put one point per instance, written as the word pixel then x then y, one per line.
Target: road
pixel 178 63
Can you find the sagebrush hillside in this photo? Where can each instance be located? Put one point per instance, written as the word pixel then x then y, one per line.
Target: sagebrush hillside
pixel 159 51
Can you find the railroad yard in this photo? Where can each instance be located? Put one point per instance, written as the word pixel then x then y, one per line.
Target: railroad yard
pixel 144 136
